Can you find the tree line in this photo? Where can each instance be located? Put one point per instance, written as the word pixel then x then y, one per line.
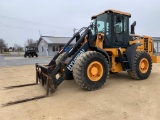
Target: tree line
pixel 16 48
pixel 3 45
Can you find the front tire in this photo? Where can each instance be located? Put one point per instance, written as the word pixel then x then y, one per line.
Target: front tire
pixel 59 58
pixel 91 70
pixel 142 66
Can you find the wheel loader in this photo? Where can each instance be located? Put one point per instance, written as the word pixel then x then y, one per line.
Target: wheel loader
pixel 105 46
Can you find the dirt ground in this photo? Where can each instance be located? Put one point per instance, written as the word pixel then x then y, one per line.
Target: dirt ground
pixel 121 98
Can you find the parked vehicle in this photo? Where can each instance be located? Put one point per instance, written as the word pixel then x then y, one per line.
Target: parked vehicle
pixel 30 52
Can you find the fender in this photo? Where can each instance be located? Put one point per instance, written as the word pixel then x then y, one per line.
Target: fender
pixel 105 54
pixel 131 52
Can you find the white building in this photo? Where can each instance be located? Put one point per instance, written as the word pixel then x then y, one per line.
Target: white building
pixel 49 45
pixel 156 41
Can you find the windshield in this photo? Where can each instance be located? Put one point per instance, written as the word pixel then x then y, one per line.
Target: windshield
pixel 94 23
pixel 101 20
pixel 100 23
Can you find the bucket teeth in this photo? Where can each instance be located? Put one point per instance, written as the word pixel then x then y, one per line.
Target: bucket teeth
pixel 18 86
pixel 24 100
pixel 43 76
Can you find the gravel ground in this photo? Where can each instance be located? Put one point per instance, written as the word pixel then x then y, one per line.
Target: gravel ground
pixel 121 98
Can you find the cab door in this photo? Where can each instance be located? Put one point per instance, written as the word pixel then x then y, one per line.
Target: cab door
pixel 121 32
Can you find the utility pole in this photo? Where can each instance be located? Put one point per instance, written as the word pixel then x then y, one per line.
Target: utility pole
pixel 40 33
pixel 74 30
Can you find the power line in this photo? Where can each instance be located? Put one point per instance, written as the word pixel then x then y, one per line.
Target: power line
pixel 28 29
pixel 28 21
pixel 23 28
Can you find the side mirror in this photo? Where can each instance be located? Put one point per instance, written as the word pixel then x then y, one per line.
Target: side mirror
pixel 91 24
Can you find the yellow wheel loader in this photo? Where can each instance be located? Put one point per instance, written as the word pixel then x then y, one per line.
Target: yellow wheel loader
pixel 104 47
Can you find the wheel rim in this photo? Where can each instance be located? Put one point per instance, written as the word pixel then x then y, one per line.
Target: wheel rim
pixel 95 71
pixel 144 65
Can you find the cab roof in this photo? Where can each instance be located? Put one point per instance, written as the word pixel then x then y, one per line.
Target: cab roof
pixel 114 11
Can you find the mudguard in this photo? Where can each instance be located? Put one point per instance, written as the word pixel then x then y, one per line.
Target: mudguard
pixel 131 51
pixel 105 54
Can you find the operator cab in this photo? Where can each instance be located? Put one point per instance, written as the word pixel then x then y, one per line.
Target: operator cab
pixel 115 27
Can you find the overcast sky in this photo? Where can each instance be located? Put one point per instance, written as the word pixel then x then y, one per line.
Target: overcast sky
pixel 24 19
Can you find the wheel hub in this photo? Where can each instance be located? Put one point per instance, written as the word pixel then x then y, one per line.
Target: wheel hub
pixel 144 65
pixel 95 71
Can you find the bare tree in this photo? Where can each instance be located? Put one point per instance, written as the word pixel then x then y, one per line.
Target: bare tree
pixel 30 42
pixel 17 48
pixel 2 45
pixel 20 48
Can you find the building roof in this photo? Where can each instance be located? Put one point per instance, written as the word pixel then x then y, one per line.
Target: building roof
pixel 114 11
pixel 156 38
pixel 55 40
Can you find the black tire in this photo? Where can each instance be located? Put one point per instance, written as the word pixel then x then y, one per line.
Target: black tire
pixel 25 56
pixel 136 73
pixel 29 55
pixel 58 60
pixel 82 65
pixel 113 72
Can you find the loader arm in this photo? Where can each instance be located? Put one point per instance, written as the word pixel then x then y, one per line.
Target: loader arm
pixel 51 70
pixel 67 44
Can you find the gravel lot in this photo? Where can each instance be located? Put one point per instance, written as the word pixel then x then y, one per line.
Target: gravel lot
pixel 121 98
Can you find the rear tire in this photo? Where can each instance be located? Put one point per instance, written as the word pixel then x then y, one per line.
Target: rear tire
pixel 142 66
pixel 91 70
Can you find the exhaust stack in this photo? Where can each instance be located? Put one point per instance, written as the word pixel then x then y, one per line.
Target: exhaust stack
pixel 132 27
